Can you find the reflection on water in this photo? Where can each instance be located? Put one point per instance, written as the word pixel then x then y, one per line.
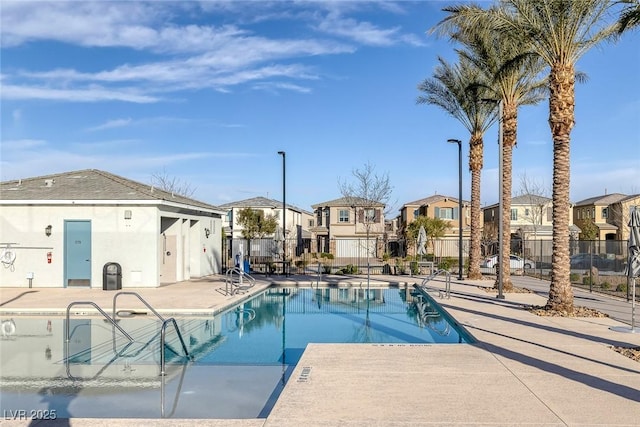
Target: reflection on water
pixel 243 355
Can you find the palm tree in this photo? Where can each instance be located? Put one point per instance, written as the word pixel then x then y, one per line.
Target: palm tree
pixel 630 15
pixel 560 32
pixel 514 80
pixel 459 90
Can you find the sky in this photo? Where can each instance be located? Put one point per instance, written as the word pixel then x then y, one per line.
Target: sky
pixel 208 92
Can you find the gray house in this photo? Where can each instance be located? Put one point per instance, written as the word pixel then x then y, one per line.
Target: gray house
pixel 78 228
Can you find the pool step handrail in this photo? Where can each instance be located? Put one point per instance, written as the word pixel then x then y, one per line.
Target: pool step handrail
pixel 447 285
pixel 233 286
pixel 165 322
pixel 68 338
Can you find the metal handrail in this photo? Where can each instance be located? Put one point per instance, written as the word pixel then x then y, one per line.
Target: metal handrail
pixel 68 337
pixel 162 341
pixel 230 287
pixel 141 300
pixel 447 286
pixel 162 330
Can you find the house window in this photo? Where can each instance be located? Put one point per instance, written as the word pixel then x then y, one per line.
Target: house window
pixel 514 214
pixel 311 223
pixel 446 213
pixel 343 215
pixel 369 214
pixel 416 213
pixel 230 216
pixel 605 213
pixel 527 212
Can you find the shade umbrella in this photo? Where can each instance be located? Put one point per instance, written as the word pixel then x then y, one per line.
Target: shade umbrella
pixel 422 241
pixel 278 238
pixel 633 263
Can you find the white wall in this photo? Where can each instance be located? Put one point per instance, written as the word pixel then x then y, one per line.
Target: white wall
pixel 133 243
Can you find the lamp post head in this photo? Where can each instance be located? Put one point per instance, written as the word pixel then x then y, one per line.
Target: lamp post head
pixel 454 141
pixel 281 153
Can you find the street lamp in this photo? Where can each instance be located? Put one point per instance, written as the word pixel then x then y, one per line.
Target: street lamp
pixel 284 211
pixel 501 204
pixel 457 141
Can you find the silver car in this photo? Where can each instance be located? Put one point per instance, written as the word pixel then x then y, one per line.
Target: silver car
pixel 515 262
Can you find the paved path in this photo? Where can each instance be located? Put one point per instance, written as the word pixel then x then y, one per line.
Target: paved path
pixel 525 370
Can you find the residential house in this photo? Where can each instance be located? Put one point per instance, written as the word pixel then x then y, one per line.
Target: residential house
pixel 608 213
pixel 347 227
pixel 297 223
pixel 530 220
pixel 91 228
pixel 437 206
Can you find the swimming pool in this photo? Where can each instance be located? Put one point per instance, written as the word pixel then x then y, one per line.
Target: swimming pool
pixel 241 358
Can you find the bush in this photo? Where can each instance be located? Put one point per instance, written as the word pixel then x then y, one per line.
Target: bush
pixel 622 287
pixel 301 263
pixel 445 264
pixel 326 255
pixel 605 285
pixel 386 256
pixel 586 281
pixel 349 269
pixel 574 277
pixel 414 267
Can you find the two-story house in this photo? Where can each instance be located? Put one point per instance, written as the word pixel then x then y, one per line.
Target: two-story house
pixel 346 227
pixel 437 206
pixel 297 223
pixel 530 220
pixel 606 212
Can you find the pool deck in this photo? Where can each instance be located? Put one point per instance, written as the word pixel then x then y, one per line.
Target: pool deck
pixel 525 370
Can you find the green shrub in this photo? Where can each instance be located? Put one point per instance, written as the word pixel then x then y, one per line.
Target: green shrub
pixel 349 269
pixel 587 281
pixel 445 264
pixel 326 255
pixel 301 263
pixel 606 285
pixel 414 267
pixel 386 256
pixel 622 287
pixel 574 277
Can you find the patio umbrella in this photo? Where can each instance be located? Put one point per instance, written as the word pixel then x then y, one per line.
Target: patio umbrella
pixel 278 238
pixel 422 241
pixel 633 263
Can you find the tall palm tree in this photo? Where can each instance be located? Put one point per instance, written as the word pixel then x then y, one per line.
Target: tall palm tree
pixel 459 90
pixel 630 15
pixel 514 78
pixel 560 32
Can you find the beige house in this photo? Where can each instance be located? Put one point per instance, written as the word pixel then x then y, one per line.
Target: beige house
pixel 438 206
pixel 609 212
pixel 343 227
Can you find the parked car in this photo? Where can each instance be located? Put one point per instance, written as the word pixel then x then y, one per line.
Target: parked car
pixel 585 261
pixel 515 262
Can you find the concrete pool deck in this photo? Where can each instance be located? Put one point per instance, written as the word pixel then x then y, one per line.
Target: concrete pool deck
pixel 524 370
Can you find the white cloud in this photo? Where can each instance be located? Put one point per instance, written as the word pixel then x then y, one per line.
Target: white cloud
pixel 111 124
pixel 22 144
pixel 94 94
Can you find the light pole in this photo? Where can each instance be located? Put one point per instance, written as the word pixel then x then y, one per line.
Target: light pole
pixel 501 204
pixel 457 141
pixel 284 211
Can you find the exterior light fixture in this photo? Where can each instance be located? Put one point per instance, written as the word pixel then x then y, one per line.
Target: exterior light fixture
pixel 47 230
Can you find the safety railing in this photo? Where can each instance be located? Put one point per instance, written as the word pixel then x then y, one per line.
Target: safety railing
pixel 165 322
pixel 237 281
pixel 447 282
pixel 69 333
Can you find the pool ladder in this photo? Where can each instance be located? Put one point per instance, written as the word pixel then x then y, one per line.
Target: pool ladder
pixel 237 281
pixel 110 319
pixel 447 283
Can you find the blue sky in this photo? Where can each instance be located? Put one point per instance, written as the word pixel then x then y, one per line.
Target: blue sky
pixel 209 92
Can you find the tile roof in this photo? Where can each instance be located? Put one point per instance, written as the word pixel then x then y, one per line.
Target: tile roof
pixel 605 199
pixel 260 202
pixel 89 184
pixel 346 201
pixel 432 199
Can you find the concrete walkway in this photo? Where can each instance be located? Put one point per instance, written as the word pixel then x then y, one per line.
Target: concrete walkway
pixel 525 370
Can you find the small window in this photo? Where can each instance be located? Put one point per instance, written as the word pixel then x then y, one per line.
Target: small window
pixel 605 213
pixel 369 215
pixel 527 212
pixel 343 215
pixel 416 213
pixel 311 223
pixel 514 214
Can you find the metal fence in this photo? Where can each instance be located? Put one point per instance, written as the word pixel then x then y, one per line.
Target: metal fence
pixel 596 265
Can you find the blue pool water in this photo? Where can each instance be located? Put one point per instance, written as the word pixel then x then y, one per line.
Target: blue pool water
pixel 240 358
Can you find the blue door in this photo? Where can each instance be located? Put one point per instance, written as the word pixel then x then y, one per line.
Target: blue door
pixel 77 253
